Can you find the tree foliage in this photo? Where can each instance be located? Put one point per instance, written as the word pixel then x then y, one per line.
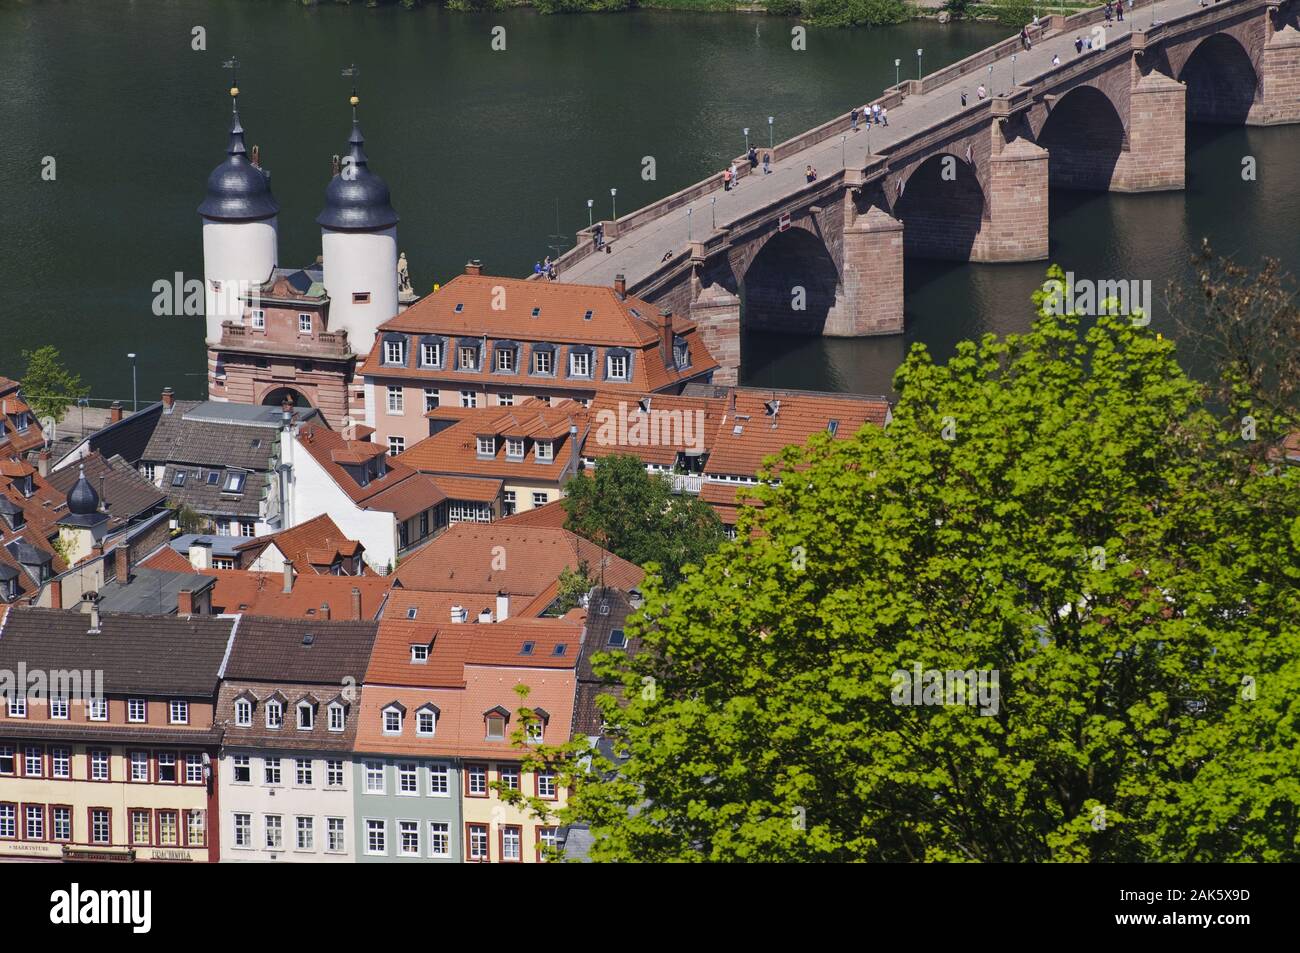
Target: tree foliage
pixel 635 515
pixel 844 13
pixel 49 387
pixel 1057 507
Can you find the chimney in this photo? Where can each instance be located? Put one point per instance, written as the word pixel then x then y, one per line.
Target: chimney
pixel 503 606
pixel 288 575
pixel 56 593
pixel 356 603
pixel 43 462
pixel 474 267
pixel 115 412
pixel 459 614
pixel 620 286
pixel 485 617
pixel 185 602
pixel 201 554
pixel 122 563
pixel 325 611
pixel 666 336
pixel 573 448
pixel 94 613
pixel 168 398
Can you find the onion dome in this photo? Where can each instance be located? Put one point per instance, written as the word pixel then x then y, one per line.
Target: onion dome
pixel 237 189
pixel 356 198
pixel 83 504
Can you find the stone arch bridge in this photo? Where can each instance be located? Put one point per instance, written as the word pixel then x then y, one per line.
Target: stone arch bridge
pixel 965 183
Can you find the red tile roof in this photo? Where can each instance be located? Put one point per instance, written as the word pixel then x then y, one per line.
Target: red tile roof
pixel 550 516
pixel 654 427
pixel 315 544
pixel 262 593
pixel 400 491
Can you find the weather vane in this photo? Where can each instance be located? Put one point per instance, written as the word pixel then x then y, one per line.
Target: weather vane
pixel 232 64
pixel 352 72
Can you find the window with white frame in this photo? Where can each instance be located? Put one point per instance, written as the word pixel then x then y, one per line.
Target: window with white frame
pixel 515 448
pixel 274 714
pixel 7 765
pixel 240 764
pixel 392 720
pixel 478 842
pixel 97 709
pixel 334 773
pixel 166 761
pixel 34 829
pixel 496 726
pixel 394 352
pixel 271 770
pixel 617 367
pixel 243 830
pixel 334 837
pixel 17 706
pixel 424 722
pixel 304 324
pixel 543 362
pixel 508 774
pixel 306 716
pixel 193 768
pixel 548 838
pixel 580 364
pixel 468 399
pixel 259 319
pixel 439 839
pixel 487 446
pixel 476 780
pixel 396 399
pixel 467 358
pixel 305 830
pixel 61 762
pixel 178 712
pixel 505 400
pixel 136 709
pixel 336 717
pixel 376 836
pixel 534 731
pixel 419 654
pixel 99 825
pixel 59 709
pixel 374 777
pixel 273 824
pixel 140 767
pixel 396 445
pixel 431 399
pixel 546 784
pixel 243 712
pixel 545 450
pixel 507 502
pixel 506 360
pixel 302 772
pixel 408 778
pixel 540 498
pixel 408 844
pixel 430 354
pixel 439 780
pixel 8 821
pixel 33 762
pixel 511 844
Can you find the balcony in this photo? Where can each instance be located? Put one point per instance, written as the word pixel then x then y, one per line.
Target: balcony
pixel 327 345
pixel 687 482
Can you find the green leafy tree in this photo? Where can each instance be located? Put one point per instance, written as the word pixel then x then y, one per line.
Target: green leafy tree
pixel 1016 13
pixel 48 386
pixel 1057 510
pixel 574 584
pixel 845 13
pixel 635 515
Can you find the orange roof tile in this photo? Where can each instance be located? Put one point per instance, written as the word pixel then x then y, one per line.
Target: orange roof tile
pixel 470 489
pixel 315 542
pixel 262 593
pixel 400 491
pixel 653 427
pixel 551 516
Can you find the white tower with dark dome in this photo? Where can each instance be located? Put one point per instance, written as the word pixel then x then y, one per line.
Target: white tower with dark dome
pixel 239 230
pixel 359 245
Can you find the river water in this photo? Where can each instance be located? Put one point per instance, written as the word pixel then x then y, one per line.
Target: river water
pixel 480 148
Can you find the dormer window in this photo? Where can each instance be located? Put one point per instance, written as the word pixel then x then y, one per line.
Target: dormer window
pixel 494 720
pixel 22 422
pixel 514 448
pixel 431 354
pixel 580 364
pixel 505 360
pixel 391 718
pixel 335 716
pixel 234 482
pixel 394 351
pixel 426 720
pixel 545 450
pixel 543 361
pixel 467 358
pixel 243 713
pixel 419 654
pixel 681 353
pixel 535 731
pixel 274 715
pixel 487 446
pixel 306 716
pixel 616 367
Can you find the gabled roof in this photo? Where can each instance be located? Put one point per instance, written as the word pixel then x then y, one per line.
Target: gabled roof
pixel 262 593
pixel 315 544
pixel 400 491
pixel 551 516
pixel 453 646
pixel 653 427
pixel 146 654
pixel 122 490
pixel 463 559
pixel 300 652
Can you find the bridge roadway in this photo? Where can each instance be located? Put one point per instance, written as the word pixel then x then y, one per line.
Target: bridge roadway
pixel 639 251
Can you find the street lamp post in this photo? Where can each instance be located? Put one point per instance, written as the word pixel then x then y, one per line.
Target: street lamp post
pixel 843 163
pixel 590 203
pixel 1013 70
pixel 713 212
pixel 135 400
pixel 771 143
pixel 613 206
pixel 746 140
pixel 919 51
pixel 689 234
pixel 898 64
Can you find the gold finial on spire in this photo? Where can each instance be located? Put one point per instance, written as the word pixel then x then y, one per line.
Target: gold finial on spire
pixel 232 64
pixel 352 72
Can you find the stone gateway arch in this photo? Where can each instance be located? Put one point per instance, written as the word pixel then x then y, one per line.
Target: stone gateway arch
pixel 953 182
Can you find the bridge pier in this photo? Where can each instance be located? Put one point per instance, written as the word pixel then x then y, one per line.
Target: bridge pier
pixel 1157 133
pixel 1016 200
pixel 1279 74
pixel 716 312
pixel 869 299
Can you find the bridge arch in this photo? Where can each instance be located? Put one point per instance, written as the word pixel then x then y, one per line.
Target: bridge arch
pixel 789 283
pixel 1222 82
pixel 1084 135
pixel 941 208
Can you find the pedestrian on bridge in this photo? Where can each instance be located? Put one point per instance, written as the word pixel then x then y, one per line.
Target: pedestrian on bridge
pixel 753 157
pixel 1119 10
pixel 1056 59
pixel 853 118
pixel 1109 12
pixel 876 109
pixel 1078 44
pixel 980 91
pixel 767 162
pixel 963 98
pixel 726 179
pixel 810 174
pixel 884 116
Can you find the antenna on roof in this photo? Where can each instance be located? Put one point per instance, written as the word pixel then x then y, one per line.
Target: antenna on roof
pixel 232 64
pixel 558 240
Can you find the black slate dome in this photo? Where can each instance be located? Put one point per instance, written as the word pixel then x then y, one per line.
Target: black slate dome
pixel 83 500
pixel 237 189
pixel 356 198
